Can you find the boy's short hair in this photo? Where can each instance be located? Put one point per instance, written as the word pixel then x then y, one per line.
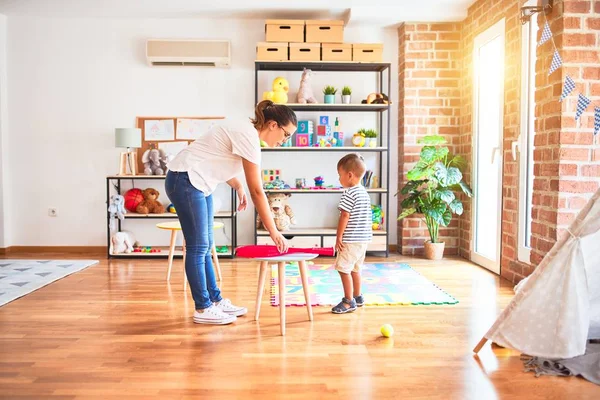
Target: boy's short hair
pixel 354 163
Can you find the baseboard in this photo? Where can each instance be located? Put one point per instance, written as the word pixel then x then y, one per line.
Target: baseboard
pixel 24 250
pixel 393 248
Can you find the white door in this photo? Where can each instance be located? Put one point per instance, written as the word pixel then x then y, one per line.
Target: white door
pixel 488 114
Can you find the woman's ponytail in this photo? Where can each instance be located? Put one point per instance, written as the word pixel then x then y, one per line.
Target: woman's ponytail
pixel 266 111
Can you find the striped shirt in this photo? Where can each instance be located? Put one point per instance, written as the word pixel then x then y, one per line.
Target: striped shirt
pixel 357 202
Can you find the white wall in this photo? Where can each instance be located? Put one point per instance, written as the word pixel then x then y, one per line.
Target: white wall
pixel 4 219
pixel 72 81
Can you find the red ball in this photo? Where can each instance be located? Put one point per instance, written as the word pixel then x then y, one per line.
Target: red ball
pixel 133 198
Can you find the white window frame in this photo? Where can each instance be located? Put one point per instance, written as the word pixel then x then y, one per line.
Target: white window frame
pixel 527 129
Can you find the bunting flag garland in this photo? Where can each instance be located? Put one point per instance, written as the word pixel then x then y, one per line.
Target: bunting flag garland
pixel 596 120
pixel 567 88
pixel 556 62
pixel 546 34
pixel 582 103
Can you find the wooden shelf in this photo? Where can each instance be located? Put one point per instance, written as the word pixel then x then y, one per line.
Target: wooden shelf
pixel 322 191
pixel 326 149
pixel 332 66
pixel 339 107
pixel 221 214
pixel 164 253
pixel 312 232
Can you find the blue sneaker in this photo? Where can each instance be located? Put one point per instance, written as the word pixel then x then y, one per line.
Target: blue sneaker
pixel 342 309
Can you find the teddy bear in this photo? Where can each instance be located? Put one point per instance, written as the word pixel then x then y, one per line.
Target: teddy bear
pixel 155 162
pixel 150 204
pixel 281 211
pixel 305 93
pixel 122 242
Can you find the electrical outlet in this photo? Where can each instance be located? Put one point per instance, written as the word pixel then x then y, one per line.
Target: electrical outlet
pixel 52 212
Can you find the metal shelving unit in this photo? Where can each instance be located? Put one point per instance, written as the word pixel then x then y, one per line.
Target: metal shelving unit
pixel 382 149
pixel 227 215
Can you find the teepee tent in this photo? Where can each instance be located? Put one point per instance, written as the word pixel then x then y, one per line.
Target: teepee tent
pixel 557 309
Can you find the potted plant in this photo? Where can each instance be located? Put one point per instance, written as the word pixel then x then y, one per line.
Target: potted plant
pixel 371 136
pixel 346 94
pixel 430 190
pixel 329 92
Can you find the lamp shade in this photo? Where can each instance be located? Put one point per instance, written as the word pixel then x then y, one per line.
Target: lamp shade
pixel 128 137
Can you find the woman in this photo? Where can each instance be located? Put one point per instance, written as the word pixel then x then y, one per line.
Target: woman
pixel 219 156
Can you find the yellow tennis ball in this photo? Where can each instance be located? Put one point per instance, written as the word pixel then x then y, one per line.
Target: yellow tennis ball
pixel 387 330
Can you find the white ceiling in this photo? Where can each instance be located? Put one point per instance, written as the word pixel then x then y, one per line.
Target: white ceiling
pixel 375 12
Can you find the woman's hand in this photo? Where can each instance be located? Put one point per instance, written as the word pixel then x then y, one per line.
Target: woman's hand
pixel 243 200
pixel 280 241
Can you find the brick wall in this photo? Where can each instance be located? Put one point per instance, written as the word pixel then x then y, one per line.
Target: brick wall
pixel 429 104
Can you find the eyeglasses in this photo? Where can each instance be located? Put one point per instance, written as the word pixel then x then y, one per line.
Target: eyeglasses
pixel 286 134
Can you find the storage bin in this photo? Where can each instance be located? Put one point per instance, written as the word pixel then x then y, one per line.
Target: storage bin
pixel 367 52
pixel 321 31
pixel 284 30
pixel 305 51
pixel 336 52
pixel 272 51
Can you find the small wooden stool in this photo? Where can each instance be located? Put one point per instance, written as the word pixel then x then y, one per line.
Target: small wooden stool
pixel 174 227
pixel 301 258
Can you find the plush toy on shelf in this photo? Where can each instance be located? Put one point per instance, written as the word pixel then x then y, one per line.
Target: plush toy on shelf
pixel 122 242
pixel 117 209
pixel 171 208
pixel 150 204
pixel 279 93
pixel 155 161
pixel 283 216
pixel 305 93
pixel 376 98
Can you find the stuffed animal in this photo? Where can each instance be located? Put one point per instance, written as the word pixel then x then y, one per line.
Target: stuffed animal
pixel 150 204
pixel 305 93
pixel 279 93
pixel 122 242
pixel 155 162
pixel 281 211
pixel 116 208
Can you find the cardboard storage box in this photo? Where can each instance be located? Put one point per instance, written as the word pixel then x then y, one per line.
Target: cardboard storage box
pixel 336 52
pixel 367 52
pixel 284 30
pixel 318 31
pixel 272 51
pixel 305 51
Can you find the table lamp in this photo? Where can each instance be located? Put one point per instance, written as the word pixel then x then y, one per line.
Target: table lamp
pixel 128 138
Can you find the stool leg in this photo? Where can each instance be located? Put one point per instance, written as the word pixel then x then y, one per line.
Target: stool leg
pixel 281 277
pixel 171 250
pixel 304 277
pixel 184 275
pixel 216 264
pixel 261 285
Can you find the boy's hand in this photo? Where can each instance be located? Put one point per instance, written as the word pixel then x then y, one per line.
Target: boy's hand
pixel 339 245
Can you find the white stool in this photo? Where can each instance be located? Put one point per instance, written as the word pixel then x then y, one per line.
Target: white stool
pixel 301 258
pixel 174 227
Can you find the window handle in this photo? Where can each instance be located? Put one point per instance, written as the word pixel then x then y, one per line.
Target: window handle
pixel 515 144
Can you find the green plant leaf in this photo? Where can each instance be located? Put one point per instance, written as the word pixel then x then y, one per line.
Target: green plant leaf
pixel 441 173
pixel 441 153
pixel 458 161
pixel 411 186
pixel 411 201
pixel 466 189
pixel 436 211
pixel 446 218
pixel 428 154
pixel 405 213
pixel 446 195
pixel 454 176
pixel 432 140
pixel 456 207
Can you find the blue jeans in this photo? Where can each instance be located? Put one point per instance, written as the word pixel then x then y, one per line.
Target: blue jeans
pixel 195 213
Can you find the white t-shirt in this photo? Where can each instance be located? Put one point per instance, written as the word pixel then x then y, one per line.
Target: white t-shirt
pixel 216 156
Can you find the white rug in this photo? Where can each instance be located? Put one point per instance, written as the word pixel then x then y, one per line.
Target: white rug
pixel 20 277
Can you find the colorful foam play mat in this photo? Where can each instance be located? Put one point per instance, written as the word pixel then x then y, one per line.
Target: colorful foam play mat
pixel 20 277
pixel 382 284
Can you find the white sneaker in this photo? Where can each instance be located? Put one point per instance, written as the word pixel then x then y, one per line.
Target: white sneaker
pixel 213 315
pixel 228 308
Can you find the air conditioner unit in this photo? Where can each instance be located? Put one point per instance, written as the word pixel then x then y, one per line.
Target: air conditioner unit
pixel 188 53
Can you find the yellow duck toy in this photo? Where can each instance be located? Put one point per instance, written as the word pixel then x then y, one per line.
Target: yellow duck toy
pixel 279 93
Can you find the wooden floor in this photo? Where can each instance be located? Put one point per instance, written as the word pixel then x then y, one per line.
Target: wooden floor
pixel 118 330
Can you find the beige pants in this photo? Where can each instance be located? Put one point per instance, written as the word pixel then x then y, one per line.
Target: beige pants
pixel 351 258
